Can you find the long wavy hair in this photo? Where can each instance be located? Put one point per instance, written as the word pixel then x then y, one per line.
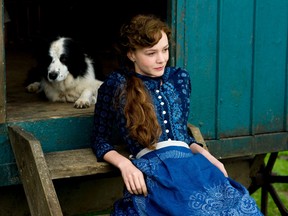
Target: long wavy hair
pixel 142 123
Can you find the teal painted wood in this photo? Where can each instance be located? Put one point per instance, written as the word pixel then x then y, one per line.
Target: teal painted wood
pixel 62 133
pixel 8 168
pixel 286 96
pixel 270 63
pixel 201 29
pixel 248 145
pixel 6 156
pixel 9 174
pixel 234 68
pixel 236 54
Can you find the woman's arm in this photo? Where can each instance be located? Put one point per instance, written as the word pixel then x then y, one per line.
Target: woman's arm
pixel 195 148
pixel 104 117
pixel 133 178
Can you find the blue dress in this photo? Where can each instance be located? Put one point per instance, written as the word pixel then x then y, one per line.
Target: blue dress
pixel 178 181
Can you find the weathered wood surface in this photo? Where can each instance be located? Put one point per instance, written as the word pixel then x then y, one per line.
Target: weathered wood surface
pixel 72 163
pixel 195 131
pixel 41 196
pixel 2 72
pixel 236 55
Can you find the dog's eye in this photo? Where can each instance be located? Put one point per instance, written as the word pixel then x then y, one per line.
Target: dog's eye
pixel 63 58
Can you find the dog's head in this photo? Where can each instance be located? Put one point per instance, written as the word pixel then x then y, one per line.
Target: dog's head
pixel 66 57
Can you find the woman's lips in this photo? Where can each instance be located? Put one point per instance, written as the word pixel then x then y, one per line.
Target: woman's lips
pixel 159 68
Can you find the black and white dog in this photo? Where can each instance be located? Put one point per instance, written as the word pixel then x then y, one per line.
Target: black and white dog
pixel 68 75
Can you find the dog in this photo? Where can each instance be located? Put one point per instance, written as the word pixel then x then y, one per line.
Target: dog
pixel 68 75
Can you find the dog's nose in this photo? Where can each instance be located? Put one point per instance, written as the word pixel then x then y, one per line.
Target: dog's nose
pixel 52 75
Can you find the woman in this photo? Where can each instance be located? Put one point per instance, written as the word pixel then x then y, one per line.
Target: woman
pixel 147 104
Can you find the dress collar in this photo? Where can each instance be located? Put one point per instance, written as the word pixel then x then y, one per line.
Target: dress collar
pixel 152 83
pixel 163 78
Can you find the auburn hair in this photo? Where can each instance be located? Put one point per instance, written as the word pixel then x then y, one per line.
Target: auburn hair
pixel 141 119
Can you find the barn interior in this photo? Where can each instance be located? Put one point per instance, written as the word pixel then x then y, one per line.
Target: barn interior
pixel 33 23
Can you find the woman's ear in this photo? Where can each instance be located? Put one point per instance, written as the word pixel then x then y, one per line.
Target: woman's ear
pixel 131 56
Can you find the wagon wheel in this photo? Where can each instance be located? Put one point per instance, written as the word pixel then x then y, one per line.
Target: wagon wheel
pixel 262 177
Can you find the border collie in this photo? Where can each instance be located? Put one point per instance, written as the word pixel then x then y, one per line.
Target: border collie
pixel 68 75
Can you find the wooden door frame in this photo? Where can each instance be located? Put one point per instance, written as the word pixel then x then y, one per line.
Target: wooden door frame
pixel 2 68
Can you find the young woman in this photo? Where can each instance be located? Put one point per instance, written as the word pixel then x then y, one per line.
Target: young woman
pixel 147 104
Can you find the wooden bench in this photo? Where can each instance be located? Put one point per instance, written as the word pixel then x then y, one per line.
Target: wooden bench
pixel 38 169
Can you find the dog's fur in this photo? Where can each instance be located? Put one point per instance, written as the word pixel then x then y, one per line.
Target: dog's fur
pixel 68 76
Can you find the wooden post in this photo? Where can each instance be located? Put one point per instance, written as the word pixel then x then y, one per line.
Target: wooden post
pixel 34 173
pixel 2 66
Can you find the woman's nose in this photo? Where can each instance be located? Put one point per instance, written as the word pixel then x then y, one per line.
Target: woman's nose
pixel 160 58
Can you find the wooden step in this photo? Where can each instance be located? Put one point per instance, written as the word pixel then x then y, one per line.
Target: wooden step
pixel 73 163
pixel 37 170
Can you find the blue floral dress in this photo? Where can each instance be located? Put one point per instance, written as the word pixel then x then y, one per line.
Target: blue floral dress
pixel 178 181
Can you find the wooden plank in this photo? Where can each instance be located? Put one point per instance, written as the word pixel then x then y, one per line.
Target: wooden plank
pixel 179 32
pixel 72 163
pixel 234 78
pixel 195 131
pixel 34 173
pixel 61 134
pixel 2 67
pixel 201 57
pixel 248 145
pixel 270 66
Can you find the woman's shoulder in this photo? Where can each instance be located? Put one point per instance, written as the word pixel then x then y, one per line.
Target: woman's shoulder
pixel 176 69
pixel 176 72
pixel 112 83
pixel 114 78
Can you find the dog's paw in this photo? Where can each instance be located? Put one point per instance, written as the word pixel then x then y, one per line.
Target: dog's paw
pixel 82 104
pixel 93 100
pixel 34 87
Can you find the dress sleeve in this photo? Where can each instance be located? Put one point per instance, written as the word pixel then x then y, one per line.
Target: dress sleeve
pixel 186 89
pixel 104 115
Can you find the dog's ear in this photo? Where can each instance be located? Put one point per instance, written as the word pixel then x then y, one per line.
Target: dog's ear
pixel 75 57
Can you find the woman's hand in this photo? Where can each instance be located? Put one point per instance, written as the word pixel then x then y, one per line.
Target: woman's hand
pixel 195 148
pixel 133 178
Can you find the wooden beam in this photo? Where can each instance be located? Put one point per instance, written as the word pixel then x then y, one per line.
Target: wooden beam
pixel 2 71
pixel 72 163
pixel 34 173
pixel 195 131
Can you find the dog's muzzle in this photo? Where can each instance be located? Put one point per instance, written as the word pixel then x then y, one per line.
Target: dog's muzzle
pixel 52 75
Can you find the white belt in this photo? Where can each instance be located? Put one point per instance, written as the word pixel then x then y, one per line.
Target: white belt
pixel 162 144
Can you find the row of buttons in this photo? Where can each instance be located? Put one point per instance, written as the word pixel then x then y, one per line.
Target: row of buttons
pixel 164 112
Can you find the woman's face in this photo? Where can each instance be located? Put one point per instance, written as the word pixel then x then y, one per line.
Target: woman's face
pixel 151 61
